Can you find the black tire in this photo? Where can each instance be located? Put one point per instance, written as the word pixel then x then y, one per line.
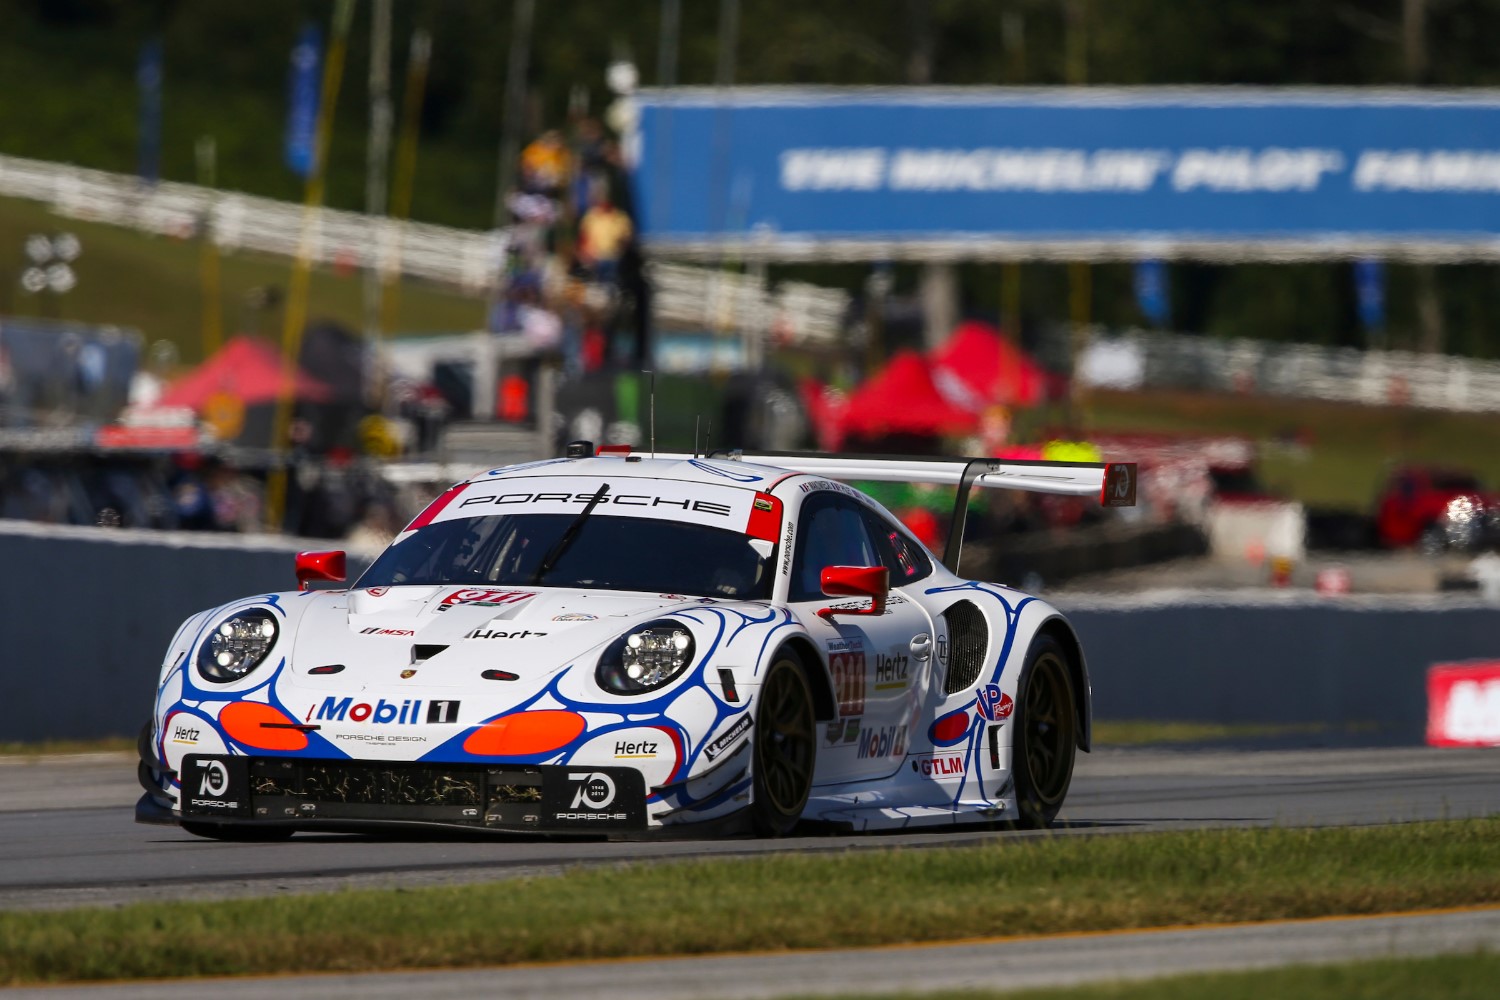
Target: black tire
pixel 229 831
pixel 1046 734
pixel 786 748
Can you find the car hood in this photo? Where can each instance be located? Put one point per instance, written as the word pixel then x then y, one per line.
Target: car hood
pixel 448 634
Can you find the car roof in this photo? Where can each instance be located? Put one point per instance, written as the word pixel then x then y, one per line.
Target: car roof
pixel 711 472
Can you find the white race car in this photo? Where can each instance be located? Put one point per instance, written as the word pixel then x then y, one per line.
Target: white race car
pixel 623 645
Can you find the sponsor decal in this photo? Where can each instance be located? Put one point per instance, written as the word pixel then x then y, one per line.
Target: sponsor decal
pixel 994 705
pixel 938 765
pixel 594 792
pixel 405 712
pixel 379 739
pixel 828 484
pixel 377 591
pixel 387 631
pixel 786 550
pixel 185 734
pixel 835 731
pixel 494 633
pixel 851 731
pixel 214 785
pixel 891 671
pixel 887 741
pixel 728 739
pixel 942 650
pixel 408 674
pixel 646 500
pixel 848 670
pixel 1463 705
pixel 575 616
pixel 761 503
pixel 635 748
pixel 484 596
pixel 863 604
pixel 215 779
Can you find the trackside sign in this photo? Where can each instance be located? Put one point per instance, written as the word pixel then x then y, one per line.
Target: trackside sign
pixel 1099 172
pixel 1463 704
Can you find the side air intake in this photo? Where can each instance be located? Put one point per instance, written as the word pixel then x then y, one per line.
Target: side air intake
pixel 968 635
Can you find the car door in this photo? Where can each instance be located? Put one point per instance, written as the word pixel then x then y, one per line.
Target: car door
pixel 870 657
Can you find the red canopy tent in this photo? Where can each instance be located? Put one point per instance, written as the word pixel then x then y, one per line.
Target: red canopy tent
pixel 978 368
pixel 246 368
pixel 901 399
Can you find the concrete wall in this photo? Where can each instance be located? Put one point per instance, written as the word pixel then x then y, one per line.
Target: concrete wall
pixel 86 614
pixel 1354 664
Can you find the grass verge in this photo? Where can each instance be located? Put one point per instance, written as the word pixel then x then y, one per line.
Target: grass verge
pixel 115 744
pixel 1446 977
pixel 1145 732
pixel 1008 887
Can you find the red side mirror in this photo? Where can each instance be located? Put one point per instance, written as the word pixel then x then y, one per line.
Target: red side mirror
pixel 320 566
pixel 873 582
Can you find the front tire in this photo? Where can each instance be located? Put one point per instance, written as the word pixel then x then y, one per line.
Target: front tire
pixel 786 748
pixel 1046 734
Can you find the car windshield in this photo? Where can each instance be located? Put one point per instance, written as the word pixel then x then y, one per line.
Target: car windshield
pixel 607 553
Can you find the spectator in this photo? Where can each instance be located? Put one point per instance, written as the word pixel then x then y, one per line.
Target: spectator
pixel 545 164
pixel 603 234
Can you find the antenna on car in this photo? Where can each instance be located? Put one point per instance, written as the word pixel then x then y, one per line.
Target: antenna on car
pixel 652 373
pixel 697 419
pixel 707 439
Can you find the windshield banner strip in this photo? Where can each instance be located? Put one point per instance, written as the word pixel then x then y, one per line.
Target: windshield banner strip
pixel 435 508
pixel 664 499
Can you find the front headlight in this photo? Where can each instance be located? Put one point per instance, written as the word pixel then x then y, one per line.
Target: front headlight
pixel 646 658
pixel 237 645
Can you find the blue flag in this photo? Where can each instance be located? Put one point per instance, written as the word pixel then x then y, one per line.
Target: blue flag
pixel 302 106
pixel 1151 292
pixel 148 76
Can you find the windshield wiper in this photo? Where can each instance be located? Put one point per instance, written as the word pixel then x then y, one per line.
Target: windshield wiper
pixel 561 545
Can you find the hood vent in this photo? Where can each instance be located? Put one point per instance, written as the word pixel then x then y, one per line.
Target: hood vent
pixel 422 651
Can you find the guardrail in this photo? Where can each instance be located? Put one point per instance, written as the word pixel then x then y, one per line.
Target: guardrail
pixel 468 259
pixel 1139 359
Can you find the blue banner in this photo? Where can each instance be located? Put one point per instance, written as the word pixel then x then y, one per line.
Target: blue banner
pixel 148 78
pixel 1151 292
pixel 302 104
pixel 1369 291
pixel 1135 173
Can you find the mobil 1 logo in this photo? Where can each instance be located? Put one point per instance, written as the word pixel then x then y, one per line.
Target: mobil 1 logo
pixel 215 786
pixel 585 798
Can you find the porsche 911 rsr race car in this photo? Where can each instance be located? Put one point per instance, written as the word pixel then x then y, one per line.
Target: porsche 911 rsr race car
pixel 623 645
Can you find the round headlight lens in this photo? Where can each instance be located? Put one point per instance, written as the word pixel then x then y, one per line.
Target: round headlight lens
pixel 646 658
pixel 237 646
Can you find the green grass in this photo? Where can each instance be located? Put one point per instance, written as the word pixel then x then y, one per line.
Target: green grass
pixel 1127 732
pixel 1447 977
pixel 112 744
pixel 1006 887
pixel 153 283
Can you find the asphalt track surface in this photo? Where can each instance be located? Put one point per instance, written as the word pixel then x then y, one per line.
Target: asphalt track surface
pixel 68 836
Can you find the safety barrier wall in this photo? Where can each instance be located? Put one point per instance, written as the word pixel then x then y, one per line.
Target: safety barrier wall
pixel 86 615
pixel 1340 669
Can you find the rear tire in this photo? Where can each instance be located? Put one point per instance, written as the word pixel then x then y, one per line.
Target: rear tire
pixel 225 831
pixel 1046 734
pixel 786 749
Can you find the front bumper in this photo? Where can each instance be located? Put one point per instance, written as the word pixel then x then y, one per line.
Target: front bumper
pixel 349 794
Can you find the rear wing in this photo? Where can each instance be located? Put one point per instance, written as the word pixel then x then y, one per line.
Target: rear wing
pixel 1114 483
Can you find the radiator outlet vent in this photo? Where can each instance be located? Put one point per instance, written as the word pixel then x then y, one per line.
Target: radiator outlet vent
pixel 968 638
